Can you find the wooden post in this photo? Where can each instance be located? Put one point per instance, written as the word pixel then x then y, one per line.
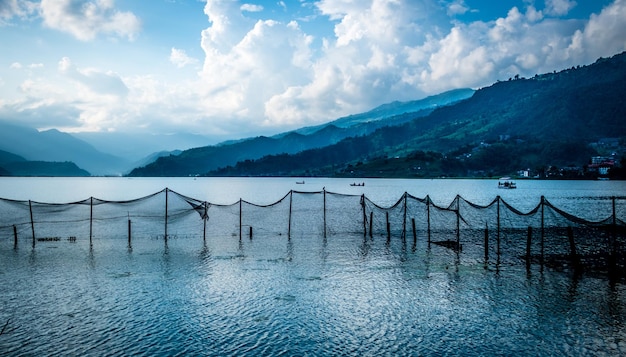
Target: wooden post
pixel 14 237
pixel 166 191
pixel 428 217
pixel 414 232
pixel 129 233
pixel 324 212
pixel 404 218
pixel 250 232
pixel 388 227
pixel 371 223
pixel 32 222
pixel 498 227
pixel 458 224
pixel 486 242
pixel 91 221
pixel 364 216
pixel 205 218
pixel 290 209
pixel 529 238
pixel 240 218
pixel 542 230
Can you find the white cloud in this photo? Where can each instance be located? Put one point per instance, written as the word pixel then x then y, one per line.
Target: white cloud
pixel 457 7
pixel 87 19
pixel 382 50
pixel 15 8
pixel 559 7
pixel 602 36
pixel 98 82
pixel 247 62
pixel 251 8
pixel 264 76
pixel 180 58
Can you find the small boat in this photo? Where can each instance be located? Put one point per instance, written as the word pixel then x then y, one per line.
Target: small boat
pixel 505 182
pixel 300 182
pixel 357 184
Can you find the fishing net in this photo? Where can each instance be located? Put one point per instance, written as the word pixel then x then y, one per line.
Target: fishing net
pixel 496 230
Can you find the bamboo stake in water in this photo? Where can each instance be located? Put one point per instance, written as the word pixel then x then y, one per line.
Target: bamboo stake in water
pixel 205 218
pixel 32 222
pixel 324 212
pixel 404 218
pixel 90 221
pixel 428 218
pixel 414 233
pixel 166 191
pixel 371 223
pixel 290 209
pixel 364 216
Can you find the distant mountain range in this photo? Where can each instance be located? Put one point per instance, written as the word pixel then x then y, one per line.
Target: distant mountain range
pixel 94 153
pixel 534 123
pixel 201 160
pixel 550 119
pixel 54 146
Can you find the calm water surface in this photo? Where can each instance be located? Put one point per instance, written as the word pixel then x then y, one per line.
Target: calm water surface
pixel 305 296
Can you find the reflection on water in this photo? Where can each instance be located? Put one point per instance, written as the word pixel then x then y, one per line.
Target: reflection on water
pixel 305 295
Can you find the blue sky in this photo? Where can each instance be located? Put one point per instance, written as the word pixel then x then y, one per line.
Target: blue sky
pixel 230 69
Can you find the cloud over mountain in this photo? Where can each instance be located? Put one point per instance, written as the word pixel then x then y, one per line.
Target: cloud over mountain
pixel 252 68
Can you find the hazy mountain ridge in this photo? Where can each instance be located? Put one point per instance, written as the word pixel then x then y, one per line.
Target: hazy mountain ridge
pixel 55 146
pixel 392 113
pixel 201 160
pixel 135 147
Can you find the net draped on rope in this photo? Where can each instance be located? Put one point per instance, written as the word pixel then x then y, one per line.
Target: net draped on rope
pixel 495 229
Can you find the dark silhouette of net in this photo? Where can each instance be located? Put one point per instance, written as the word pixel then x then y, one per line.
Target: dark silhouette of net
pixel 493 232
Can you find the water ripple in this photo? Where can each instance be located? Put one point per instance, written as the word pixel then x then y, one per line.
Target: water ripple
pixel 339 296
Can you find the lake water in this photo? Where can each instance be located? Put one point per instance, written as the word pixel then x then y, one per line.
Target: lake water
pixel 304 296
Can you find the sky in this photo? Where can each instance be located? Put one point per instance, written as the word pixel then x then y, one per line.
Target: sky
pixel 230 69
